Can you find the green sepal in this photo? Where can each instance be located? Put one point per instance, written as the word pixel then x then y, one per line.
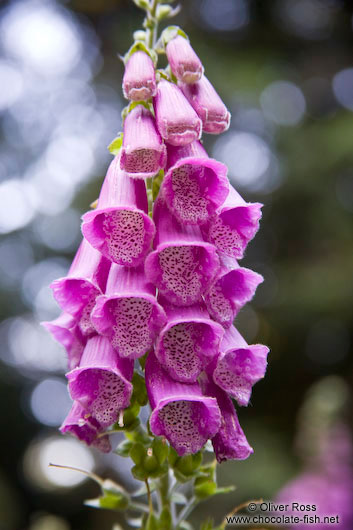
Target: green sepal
pixel 160 449
pixel 132 105
pixel 123 448
pixel 150 464
pixel 137 453
pixel 140 46
pixel 165 520
pixel 170 33
pixel 139 393
pixel 139 473
pixel 204 487
pixel 157 181
pixel 115 146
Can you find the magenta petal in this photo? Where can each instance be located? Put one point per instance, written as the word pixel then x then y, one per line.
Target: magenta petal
pixel 101 384
pixel 187 342
pixel 66 331
pixel 80 424
pixel 239 366
pixel 208 105
pixel 183 266
pixel 195 186
pixel 139 82
pixel 232 288
pixel 234 225
pixel 183 61
pixel 230 442
pixel 176 120
pixel 129 314
pixel 76 293
pixel 143 153
pixel 180 412
pixel 120 227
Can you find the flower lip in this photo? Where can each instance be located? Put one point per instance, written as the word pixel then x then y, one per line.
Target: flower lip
pixel 239 366
pixel 180 412
pixel 122 234
pixel 120 227
pixel 231 289
pixel 182 271
pixel 195 186
pixel 101 384
pixel 234 225
pixel 66 331
pixel 187 342
pixel 80 424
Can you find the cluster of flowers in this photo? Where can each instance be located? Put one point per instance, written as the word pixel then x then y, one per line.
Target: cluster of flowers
pixel 169 285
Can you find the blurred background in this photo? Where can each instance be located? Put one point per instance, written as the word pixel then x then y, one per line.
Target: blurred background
pixel 285 70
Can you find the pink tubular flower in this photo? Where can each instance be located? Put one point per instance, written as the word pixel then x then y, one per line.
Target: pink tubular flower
pixel 176 120
pixel 234 225
pixel 139 82
pixel 179 411
pixel 230 442
pixel 183 266
pixel 194 185
pixel 231 289
pixel 76 293
pixel 80 424
pixel 187 342
pixel 143 153
pixel 66 331
pixel 120 227
pixel 239 366
pixel 184 63
pixel 208 105
pixel 129 314
pixel 101 384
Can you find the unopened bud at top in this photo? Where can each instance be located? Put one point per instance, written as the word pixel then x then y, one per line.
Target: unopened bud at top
pixel 206 102
pixel 184 63
pixel 139 82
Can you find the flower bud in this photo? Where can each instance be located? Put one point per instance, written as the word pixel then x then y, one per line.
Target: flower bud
pixel 206 102
pixel 176 120
pixel 184 63
pixel 143 153
pixel 139 82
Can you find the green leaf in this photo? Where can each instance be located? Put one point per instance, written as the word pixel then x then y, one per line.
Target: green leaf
pixel 179 498
pixel 124 448
pixel 116 144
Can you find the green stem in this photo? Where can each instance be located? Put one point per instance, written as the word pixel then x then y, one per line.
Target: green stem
pixel 152 24
pixel 193 502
